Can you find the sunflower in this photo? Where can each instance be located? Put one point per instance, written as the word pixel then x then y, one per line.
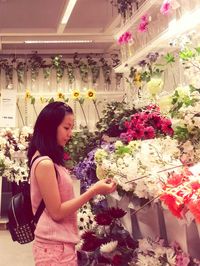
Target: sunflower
pixel 27 94
pixel 60 95
pixel 75 94
pixel 91 94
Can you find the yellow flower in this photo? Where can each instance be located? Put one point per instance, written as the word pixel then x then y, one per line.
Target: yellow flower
pixel 27 95
pixel 155 85
pixel 75 94
pixel 137 79
pixel 60 95
pixel 91 94
pixel 165 103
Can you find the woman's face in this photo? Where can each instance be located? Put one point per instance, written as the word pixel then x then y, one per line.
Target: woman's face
pixel 64 130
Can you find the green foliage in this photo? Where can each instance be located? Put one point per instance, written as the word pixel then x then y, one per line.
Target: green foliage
pixel 113 117
pixel 181 133
pixel 169 58
pixel 80 145
pixel 186 54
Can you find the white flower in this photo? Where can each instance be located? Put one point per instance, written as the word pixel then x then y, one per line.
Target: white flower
pixel 79 245
pixel 155 85
pixel 118 144
pixel 108 247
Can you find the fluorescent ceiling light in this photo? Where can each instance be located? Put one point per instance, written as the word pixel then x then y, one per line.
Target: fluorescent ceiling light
pixel 58 41
pixel 68 11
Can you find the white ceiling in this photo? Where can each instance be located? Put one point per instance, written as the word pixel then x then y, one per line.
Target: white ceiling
pixel 22 20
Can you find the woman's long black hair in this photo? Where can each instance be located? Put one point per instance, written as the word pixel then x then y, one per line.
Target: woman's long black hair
pixel 44 137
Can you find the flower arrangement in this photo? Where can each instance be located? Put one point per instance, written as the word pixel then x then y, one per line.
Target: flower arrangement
pixel 108 243
pixel 85 171
pixel 13 145
pixel 113 118
pixel 147 124
pixel 181 193
pixel 80 145
pixel 137 167
pixel 156 253
pixel 85 218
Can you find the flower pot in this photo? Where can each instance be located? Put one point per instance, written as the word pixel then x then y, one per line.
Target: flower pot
pixel 126 220
pixel 176 231
pixel 193 239
pixel 148 222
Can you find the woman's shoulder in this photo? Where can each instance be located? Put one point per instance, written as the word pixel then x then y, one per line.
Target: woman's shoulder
pixel 42 161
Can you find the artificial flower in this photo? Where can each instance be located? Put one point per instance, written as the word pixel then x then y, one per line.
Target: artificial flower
pixel 91 94
pixel 166 7
pixel 27 94
pixel 116 213
pixel 155 85
pixel 103 218
pixel 108 247
pixel 76 94
pixel 144 22
pixel 60 96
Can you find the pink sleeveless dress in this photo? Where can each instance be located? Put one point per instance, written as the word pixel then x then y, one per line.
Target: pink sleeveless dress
pixel 54 242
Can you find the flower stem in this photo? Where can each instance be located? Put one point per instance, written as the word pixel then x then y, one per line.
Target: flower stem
pixel 142 207
pixel 20 114
pixel 84 114
pixel 35 110
pixel 95 105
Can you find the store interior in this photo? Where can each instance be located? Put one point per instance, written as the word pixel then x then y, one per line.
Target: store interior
pixel 130 70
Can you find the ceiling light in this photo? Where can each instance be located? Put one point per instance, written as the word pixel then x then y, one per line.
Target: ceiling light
pixel 68 11
pixel 58 41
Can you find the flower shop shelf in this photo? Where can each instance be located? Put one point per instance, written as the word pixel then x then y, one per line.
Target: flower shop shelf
pixel 148 4
pixel 175 28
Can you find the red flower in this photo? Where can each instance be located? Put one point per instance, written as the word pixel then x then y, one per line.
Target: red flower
pixel 149 133
pixel 175 180
pixel 102 259
pixel 195 185
pixel 116 213
pixel 66 156
pixel 117 260
pixel 88 235
pixel 173 205
pixel 91 245
pixel 167 127
pixel 194 207
pixel 103 218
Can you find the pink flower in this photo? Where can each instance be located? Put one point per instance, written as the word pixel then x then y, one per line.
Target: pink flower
pixel 125 38
pixel 166 7
pixel 143 26
pixel 149 133
pixel 144 22
pixel 66 156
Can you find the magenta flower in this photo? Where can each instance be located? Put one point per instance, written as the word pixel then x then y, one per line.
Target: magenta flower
pixel 144 22
pixel 143 26
pixel 166 7
pixel 125 38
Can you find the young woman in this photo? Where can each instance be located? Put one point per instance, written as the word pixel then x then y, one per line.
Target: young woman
pixel 56 233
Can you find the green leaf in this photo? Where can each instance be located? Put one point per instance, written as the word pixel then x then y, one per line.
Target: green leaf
pixel 169 58
pixel 51 100
pixel 32 100
pixel 197 49
pixel 186 54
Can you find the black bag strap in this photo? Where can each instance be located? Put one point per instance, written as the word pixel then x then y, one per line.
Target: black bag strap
pixel 41 207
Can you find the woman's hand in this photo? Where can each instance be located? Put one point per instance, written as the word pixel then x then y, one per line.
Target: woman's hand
pixel 104 187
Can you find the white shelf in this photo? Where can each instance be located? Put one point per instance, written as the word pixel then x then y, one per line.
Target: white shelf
pixel 176 28
pixel 137 15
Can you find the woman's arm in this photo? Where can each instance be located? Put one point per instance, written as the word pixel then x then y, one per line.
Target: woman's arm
pixel 48 185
